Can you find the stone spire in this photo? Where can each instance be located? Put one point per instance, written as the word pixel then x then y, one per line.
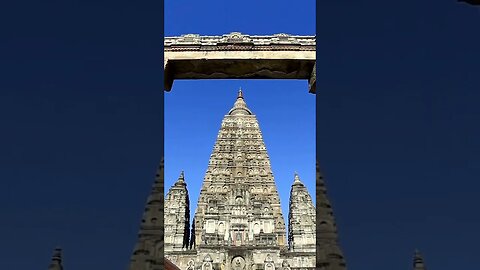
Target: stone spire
pixel 296 179
pixel 177 216
pixel 239 205
pixel 301 219
pixel 240 107
pixel 148 251
pixel 329 254
pixel 181 178
pixel 418 263
pixel 56 263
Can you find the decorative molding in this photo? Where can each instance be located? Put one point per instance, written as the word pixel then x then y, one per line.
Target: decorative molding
pixel 241 42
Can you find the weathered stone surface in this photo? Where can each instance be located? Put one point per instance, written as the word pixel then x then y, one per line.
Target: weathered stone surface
pixel 229 41
pixel 301 219
pixel 237 56
pixel 148 251
pixel 238 222
pixel 177 216
pixel 329 254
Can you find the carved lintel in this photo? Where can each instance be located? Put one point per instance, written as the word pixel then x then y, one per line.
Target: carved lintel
pixel 200 57
pixel 195 42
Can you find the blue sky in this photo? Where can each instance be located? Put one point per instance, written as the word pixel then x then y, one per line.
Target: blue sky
pixel 217 17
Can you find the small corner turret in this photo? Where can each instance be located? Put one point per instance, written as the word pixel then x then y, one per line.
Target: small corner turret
pixel 177 216
pixel 301 218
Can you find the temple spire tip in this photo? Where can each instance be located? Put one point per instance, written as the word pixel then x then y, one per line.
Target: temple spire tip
pixel 296 178
pixel 181 178
pixel 240 107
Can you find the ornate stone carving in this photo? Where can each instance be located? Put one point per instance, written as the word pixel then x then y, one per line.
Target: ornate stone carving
pixel 189 39
pixel 190 265
pixel 238 207
pixel 269 263
pixel 235 37
pixel 238 263
pixel 236 40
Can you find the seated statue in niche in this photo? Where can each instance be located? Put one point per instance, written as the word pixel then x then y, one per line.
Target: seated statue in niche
pixel 207 266
pixel 269 266
pixel 238 263
pixel 221 228
pixel 191 265
pixel 285 265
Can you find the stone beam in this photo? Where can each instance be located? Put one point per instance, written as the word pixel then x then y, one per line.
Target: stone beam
pixel 237 56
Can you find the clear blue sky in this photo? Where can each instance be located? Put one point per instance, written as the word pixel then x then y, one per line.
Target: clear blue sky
pixel 286 114
pixel 397 123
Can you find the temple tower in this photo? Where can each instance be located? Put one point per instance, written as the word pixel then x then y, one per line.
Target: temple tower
pixel 301 219
pixel 177 216
pixel 239 207
pixel 329 255
pixel 148 251
pixel 301 227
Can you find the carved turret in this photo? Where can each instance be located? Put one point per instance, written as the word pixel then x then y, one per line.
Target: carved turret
pixel 329 254
pixel 418 263
pixel 56 263
pixel 177 216
pixel 148 251
pixel 301 219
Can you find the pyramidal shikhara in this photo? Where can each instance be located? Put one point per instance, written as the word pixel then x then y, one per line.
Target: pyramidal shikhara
pixel 238 222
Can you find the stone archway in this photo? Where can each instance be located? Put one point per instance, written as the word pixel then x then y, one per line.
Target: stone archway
pixel 238 56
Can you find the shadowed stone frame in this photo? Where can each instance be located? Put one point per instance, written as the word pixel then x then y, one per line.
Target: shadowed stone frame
pixel 238 56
